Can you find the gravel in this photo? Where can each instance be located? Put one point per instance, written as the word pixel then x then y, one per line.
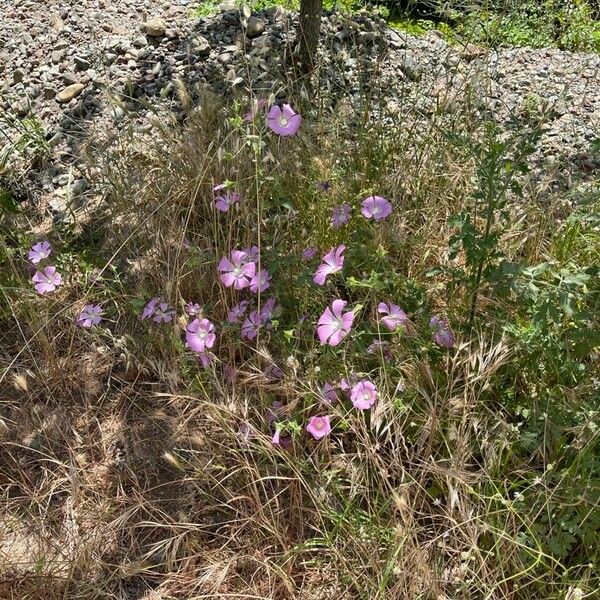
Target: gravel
pixel 85 68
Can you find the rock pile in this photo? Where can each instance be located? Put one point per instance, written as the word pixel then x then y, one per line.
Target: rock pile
pixel 83 66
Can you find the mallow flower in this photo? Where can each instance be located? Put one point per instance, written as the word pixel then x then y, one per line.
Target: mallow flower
pixel 163 313
pixel 283 120
pixel 39 252
pixel 91 314
pixel 260 282
pixel 235 271
pixel 333 262
pixel 251 325
pixel 319 427
pixel 394 315
pixel 46 281
pixel 376 207
pixel 442 332
pixel 334 324
pixel 238 311
pixel 149 309
pixel 340 215
pixel 309 253
pixel 193 309
pixel 225 199
pixel 200 335
pixel 363 394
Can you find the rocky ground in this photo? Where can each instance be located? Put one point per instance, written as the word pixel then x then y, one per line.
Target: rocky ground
pixel 71 70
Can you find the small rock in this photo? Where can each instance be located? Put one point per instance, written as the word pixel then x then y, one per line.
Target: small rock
pixel 154 27
pixel 18 75
pixel 140 41
pixel 70 92
pixel 81 63
pixel 255 27
pixel 57 56
pixel 201 46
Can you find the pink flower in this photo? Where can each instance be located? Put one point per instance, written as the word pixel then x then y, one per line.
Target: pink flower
pixel 309 253
pixel 205 359
pixel 329 394
pixel 238 311
pixel 267 310
pixel 257 106
pixel 276 439
pixel 193 309
pixel 39 252
pixel 252 254
pixel 199 335
pixel 251 325
pixel 283 120
pixel 395 316
pixel 149 309
pixel 333 262
pixel 260 281
pixel 319 427
pixel 90 315
pixel 333 325
pixel 46 281
pixel 163 313
pixel 340 215
pixel 235 271
pixel 225 199
pixel 376 207
pixel 363 394
pixel 442 334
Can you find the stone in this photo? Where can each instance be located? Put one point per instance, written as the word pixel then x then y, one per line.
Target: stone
pixel 255 27
pixel 81 63
pixel 70 92
pixel 18 75
pixel 201 46
pixel 155 27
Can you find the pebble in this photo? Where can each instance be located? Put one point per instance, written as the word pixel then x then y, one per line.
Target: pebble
pixel 70 92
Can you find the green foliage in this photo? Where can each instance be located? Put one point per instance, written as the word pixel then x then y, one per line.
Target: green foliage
pixel 567 24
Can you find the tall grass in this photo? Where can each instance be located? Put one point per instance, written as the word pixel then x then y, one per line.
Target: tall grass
pixel 129 471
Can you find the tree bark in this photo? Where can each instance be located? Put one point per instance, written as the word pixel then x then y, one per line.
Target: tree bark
pixel 309 29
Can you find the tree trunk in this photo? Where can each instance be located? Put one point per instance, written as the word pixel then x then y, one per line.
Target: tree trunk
pixel 308 32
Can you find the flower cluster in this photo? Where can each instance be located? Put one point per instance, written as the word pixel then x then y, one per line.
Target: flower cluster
pixel 48 279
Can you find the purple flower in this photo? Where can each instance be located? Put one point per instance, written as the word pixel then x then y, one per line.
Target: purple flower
pixel 395 316
pixel 224 200
pixel 333 325
pixel 257 106
pixel 442 333
pixel 340 215
pixel 149 309
pixel 199 335
pixel 309 253
pixel 39 252
pixel 238 311
pixel 274 373
pixel 283 120
pixel 90 315
pixel 46 281
pixel 319 427
pixel 363 394
pixel 381 348
pixel 267 310
pixel 276 439
pixel 333 262
pixel 252 254
pixel 376 207
pixel 274 412
pixel 193 309
pixel 205 359
pixel 251 325
pixel 260 281
pixel 163 313
pixel 329 394
pixel 235 271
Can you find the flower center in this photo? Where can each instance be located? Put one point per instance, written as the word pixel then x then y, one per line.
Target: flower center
pixel 375 210
pixel 319 425
pixel 283 121
pixel 202 335
pixel 237 271
pixel 366 396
